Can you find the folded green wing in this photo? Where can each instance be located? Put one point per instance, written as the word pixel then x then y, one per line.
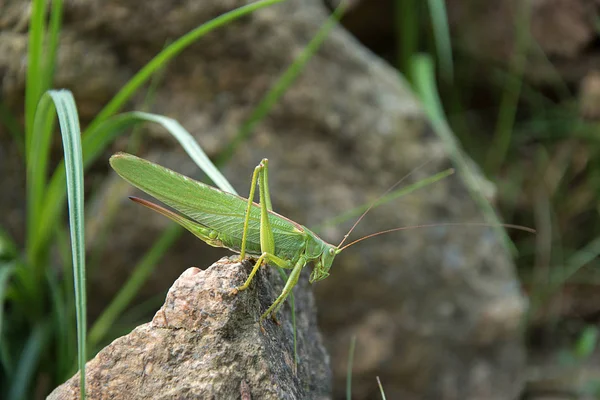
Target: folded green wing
pixel 220 211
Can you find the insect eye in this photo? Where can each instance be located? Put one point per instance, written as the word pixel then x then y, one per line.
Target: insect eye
pixel 331 251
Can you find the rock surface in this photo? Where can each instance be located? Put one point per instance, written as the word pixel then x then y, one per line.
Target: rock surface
pixel 435 311
pixel 205 343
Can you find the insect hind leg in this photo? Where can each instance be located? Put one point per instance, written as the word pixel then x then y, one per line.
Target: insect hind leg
pixel 287 290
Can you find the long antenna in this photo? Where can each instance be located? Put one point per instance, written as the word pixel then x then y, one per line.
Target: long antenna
pixel 404 228
pixel 379 198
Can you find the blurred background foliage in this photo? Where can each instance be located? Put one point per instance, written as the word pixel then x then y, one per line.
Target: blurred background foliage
pixel 520 86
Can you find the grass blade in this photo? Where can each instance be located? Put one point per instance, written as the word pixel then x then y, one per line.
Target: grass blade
pixel 190 145
pixel 96 141
pixel 425 85
pixel 37 166
pixel 380 388
pixel 355 212
pixel 6 270
pixel 35 51
pixel 52 44
pixel 23 377
pixel 512 91
pixel 406 20
pixel 133 285
pixel 13 127
pixel 282 84
pixel 71 138
pixel 441 34
pixel 171 52
pixel 349 370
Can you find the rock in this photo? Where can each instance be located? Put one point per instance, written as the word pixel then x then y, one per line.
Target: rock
pixel 205 343
pixel 435 310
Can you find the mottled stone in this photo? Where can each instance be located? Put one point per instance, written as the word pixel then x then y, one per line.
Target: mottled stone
pixel 205 343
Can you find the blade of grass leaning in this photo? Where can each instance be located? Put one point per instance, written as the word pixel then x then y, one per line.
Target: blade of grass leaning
pixel 349 370
pixel 578 260
pixel 355 212
pixel 126 294
pixel 282 84
pixel 13 127
pixel 53 38
pixel 380 388
pixel 71 138
pixel 6 270
pixel 586 343
pixel 406 20
pixel 61 327
pixel 23 379
pixel 172 51
pixel 441 33
pixel 426 88
pixel 34 77
pixel 512 91
pixel 8 368
pixel 284 277
pixel 37 156
pixel 97 141
pixel 111 206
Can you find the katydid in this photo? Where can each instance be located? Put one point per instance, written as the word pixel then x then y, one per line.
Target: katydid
pixel 224 219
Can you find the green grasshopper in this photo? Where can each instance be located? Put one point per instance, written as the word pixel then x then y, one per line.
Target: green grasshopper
pixel 224 219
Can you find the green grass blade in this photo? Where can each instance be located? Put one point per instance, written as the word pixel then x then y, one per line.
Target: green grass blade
pixel 406 20
pixel 349 370
pixel 30 357
pixel 292 300
pixel 425 85
pixel 380 388
pixel 586 343
pixel 96 141
pixel 61 327
pixel 512 91
pixel 71 137
pixel 281 85
pixel 441 33
pixel 355 212
pixel 190 145
pixel 133 285
pixel 52 42
pixel 574 263
pixel 8 248
pixel 35 52
pixel 6 270
pixel 171 52
pixel 13 127
pixel 37 166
